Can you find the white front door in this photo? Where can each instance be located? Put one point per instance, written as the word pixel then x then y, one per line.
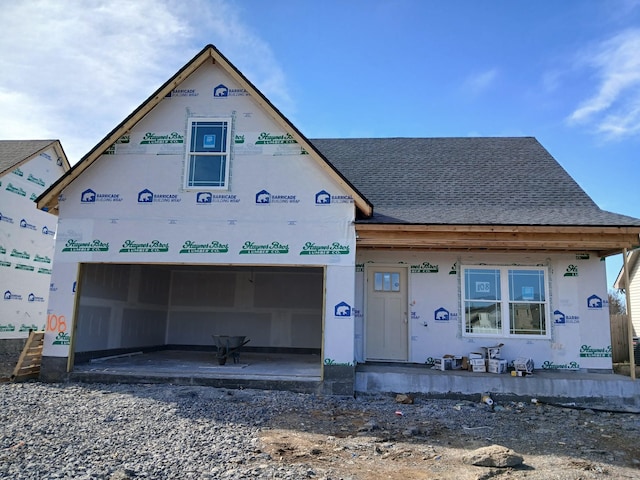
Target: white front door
pixel 386 322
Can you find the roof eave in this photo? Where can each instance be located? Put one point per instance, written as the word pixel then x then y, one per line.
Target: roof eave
pixel 604 240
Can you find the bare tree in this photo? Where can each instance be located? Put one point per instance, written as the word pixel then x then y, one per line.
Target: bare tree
pixel 617 304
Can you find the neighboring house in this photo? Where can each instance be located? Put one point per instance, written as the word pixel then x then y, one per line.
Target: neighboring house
pixel 633 265
pixel 27 168
pixel 206 212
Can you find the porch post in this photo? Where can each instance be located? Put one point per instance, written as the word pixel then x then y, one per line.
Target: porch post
pixel 632 362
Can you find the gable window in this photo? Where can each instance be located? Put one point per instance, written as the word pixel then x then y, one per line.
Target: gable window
pixel 505 301
pixel 208 153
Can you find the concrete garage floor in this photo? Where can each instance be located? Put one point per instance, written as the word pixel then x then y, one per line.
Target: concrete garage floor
pixel 253 370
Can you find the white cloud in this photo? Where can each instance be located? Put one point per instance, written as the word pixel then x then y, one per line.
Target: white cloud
pixel 479 82
pixel 73 70
pixel 614 110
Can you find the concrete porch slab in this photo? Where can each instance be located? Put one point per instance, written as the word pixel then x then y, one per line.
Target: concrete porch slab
pixel 545 385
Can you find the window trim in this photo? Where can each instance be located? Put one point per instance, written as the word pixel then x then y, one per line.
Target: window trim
pixel 506 302
pixel 189 153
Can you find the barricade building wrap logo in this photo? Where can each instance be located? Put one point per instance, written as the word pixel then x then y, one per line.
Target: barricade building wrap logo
pixel 32 297
pixel 90 196
pixel 342 309
pixel 424 267
pixel 594 302
pixel 560 318
pixel 4 218
pixel 221 91
pixel 273 248
pixel 147 196
pixel 441 315
pixel 92 246
pixel 212 247
pixel 47 231
pixel 154 246
pixel 587 351
pixel 325 198
pixel 26 225
pixel 263 197
pixel 183 92
pixel 335 248
pixel 12 296
pixel 207 198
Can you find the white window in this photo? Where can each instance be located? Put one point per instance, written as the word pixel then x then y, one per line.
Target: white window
pixel 386 282
pixel 208 153
pixel 505 301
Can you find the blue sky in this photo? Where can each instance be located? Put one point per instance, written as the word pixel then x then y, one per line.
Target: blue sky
pixel 566 72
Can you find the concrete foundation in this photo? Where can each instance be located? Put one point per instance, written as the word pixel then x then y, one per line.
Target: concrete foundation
pixel 304 373
pixel 53 369
pixel 547 386
pixel 339 380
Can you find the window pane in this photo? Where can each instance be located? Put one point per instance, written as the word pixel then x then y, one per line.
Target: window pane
pixel 526 285
pixel 482 284
pixel 377 281
pixel 209 137
pixel 386 282
pixel 483 317
pixel 395 282
pixel 207 171
pixel 528 319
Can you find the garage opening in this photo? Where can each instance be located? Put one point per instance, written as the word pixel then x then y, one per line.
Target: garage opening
pixel 179 312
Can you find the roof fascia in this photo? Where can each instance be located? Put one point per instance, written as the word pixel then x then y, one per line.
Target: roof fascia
pixel 604 240
pixel 49 198
pixel 360 200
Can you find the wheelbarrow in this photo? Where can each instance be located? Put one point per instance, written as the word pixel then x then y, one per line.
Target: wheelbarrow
pixel 229 346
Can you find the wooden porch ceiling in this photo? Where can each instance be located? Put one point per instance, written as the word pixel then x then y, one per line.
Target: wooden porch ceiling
pixel 603 240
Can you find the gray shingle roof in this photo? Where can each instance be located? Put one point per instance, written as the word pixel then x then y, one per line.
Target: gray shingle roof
pixel 12 152
pixel 472 180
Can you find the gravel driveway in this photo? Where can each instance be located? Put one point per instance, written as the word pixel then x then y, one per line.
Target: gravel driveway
pixel 121 432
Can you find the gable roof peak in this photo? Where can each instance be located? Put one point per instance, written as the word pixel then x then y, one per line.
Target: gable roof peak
pixel 49 199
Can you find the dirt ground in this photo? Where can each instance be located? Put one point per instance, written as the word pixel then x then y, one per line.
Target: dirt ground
pixel 428 439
